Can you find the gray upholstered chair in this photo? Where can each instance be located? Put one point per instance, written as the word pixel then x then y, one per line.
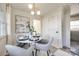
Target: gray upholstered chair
pixel 44 47
pixel 18 51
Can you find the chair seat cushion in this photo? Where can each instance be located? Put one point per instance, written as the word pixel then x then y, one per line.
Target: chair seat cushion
pixel 43 41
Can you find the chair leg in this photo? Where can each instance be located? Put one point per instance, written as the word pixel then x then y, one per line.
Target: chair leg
pixel 49 50
pixel 47 53
pixel 36 52
pixel 33 53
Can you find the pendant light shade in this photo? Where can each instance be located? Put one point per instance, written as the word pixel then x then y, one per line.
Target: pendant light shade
pixel 30 6
pixel 34 9
pixel 32 12
pixel 38 12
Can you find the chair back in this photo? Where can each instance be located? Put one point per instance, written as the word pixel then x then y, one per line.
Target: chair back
pixel 50 43
pixel 17 51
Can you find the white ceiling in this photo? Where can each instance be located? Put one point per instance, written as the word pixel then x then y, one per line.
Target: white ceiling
pixel 75 9
pixel 44 7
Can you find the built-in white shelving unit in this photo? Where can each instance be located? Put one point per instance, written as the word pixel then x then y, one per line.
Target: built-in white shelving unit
pixel 21 23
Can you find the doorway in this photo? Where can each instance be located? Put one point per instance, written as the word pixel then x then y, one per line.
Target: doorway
pixel 74 30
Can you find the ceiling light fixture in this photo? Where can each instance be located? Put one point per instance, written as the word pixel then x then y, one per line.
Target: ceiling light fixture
pixel 34 9
pixel 38 12
pixel 32 12
pixel 30 6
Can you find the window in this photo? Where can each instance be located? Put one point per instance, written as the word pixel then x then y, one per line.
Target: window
pixel 2 24
pixel 74 25
pixel 37 25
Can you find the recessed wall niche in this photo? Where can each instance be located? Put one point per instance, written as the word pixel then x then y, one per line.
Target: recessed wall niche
pixel 20 25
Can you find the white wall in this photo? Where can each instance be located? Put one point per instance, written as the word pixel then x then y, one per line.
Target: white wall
pixel 3 38
pixel 8 17
pixel 2 7
pixel 66 26
pixel 51 24
pixel 74 9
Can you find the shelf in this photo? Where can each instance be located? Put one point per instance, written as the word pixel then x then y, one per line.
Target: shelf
pixel 21 23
